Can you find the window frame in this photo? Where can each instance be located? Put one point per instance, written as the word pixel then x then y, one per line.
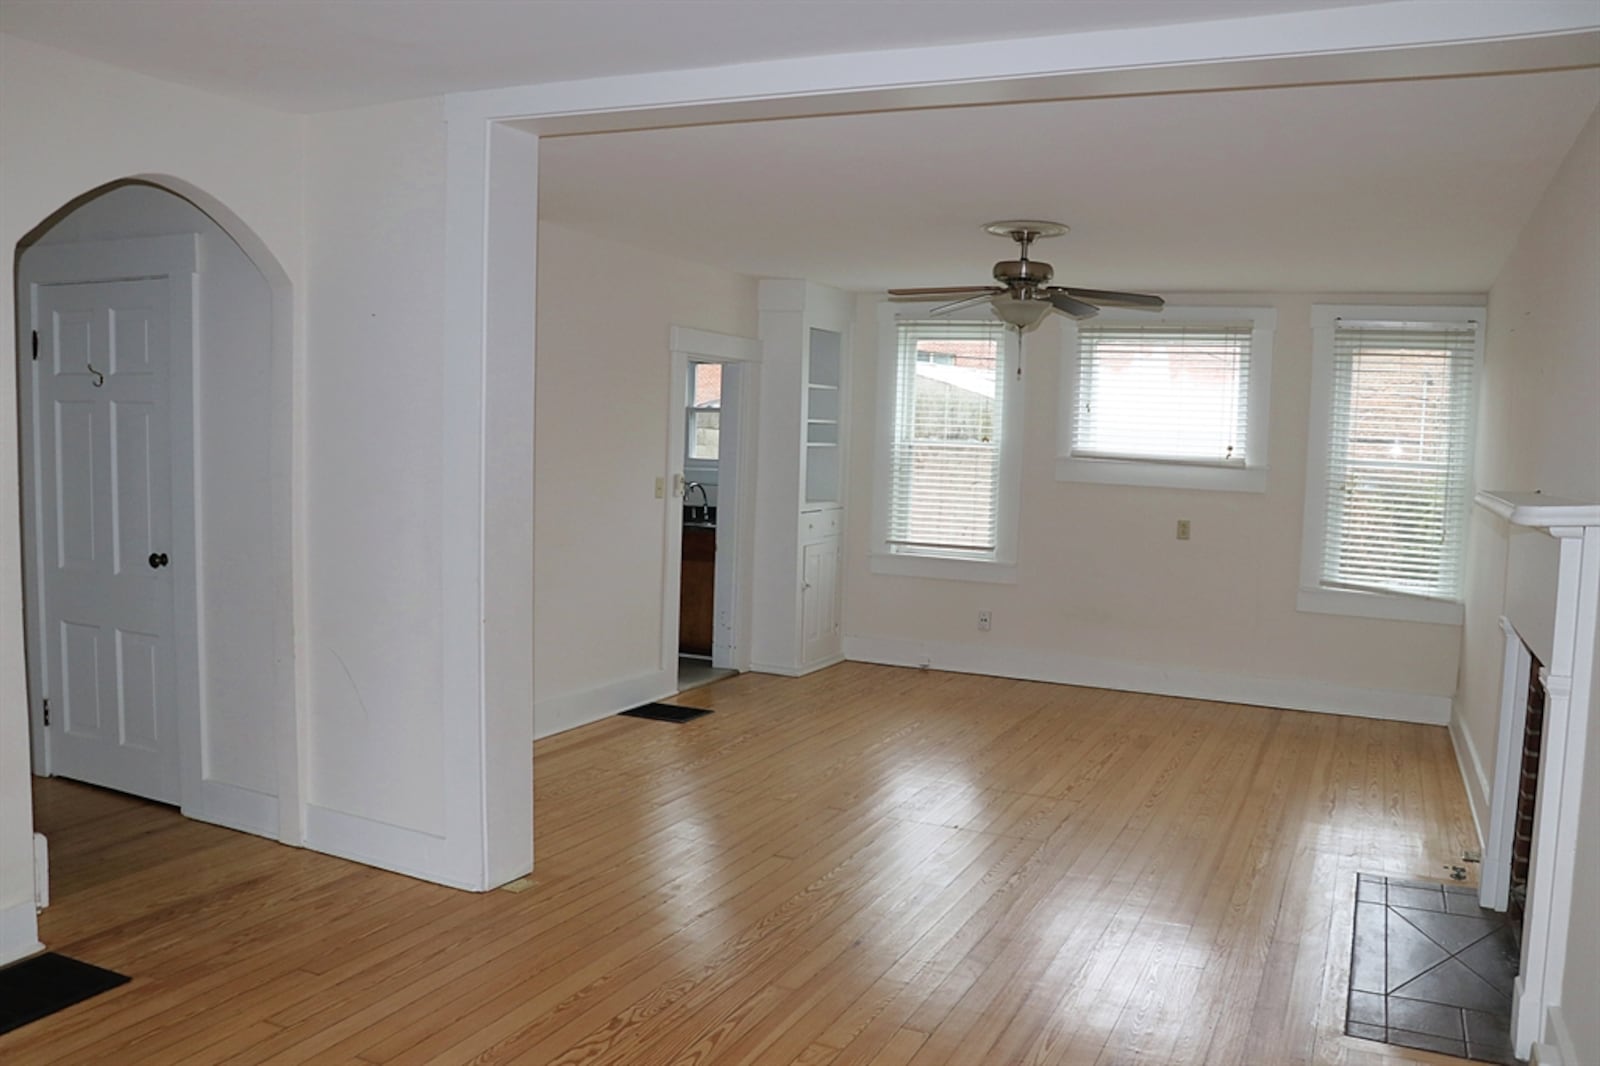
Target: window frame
pixel 999 566
pixel 1174 474
pixel 702 470
pixel 1313 597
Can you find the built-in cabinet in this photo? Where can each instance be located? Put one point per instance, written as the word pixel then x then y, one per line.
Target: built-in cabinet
pixel 800 525
pixel 697 590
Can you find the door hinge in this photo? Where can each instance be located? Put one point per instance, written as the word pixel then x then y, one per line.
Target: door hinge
pixel 47 712
pixel 36 344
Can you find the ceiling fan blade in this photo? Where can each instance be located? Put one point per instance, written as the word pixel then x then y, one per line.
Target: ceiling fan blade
pixel 1068 306
pixel 950 290
pixel 1135 301
pixel 956 305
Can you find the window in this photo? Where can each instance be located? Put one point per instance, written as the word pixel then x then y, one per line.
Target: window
pixel 947 453
pixel 704 412
pixel 1176 400
pixel 1389 475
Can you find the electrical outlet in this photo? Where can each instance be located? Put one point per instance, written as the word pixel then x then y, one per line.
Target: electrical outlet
pixel 985 618
pixel 1183 529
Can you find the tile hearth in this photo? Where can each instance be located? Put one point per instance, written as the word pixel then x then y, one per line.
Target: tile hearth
pixel 1430 969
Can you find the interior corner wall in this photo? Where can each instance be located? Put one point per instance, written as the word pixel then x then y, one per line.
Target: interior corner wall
pixel 233 501
pixel 70 125
pixel 1106 594
pixel 601 401
pixel 1538 429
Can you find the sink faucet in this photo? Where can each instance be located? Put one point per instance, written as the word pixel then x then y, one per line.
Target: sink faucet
pixel 695 486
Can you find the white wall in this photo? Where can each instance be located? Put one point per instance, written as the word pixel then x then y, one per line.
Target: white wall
pixel 360 233
pixel 233 499
pixel 1540 429
pixel 1106 594
pixel 69 126
pixel 375 233
pixel 600 442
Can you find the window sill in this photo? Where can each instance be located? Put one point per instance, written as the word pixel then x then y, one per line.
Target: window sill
pixel 1379 605
pixel 1162 475
pixel 943 568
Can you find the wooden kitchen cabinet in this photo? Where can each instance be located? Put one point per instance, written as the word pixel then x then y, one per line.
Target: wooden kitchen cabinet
pixel 698 590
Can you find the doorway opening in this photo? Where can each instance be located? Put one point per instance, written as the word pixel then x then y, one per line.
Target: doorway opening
pixel 704 627
pixel 154 392
pixel 705 600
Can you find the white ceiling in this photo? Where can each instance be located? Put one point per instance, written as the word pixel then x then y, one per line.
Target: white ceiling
pixel 1416 186
pixel 321 55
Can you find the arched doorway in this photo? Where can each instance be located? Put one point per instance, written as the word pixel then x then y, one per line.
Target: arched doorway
pixel 227 410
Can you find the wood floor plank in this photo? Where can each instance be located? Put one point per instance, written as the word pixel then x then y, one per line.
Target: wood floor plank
pixel 868 865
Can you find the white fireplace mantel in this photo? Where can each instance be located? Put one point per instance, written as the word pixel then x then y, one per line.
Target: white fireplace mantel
pixel 1569 679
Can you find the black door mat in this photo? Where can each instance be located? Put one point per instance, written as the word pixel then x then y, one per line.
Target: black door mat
pixel 666 712
pixel 1430 969
pixel 37 987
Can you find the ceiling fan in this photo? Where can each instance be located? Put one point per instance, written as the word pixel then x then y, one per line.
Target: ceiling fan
pixel 1025 295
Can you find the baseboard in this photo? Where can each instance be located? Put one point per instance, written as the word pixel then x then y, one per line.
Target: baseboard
pixel 1559 1049
pixel 1472 774
pixel 557 714
pixel 1189 683
pixel 798 671
pixel 235 807
pixel 19 931
pixel 388 847
pixel 772 668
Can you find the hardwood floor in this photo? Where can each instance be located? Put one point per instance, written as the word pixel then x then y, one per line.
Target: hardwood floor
pixel 866 866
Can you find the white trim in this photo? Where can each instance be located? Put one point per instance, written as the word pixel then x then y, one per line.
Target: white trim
pixel 388 847
pixel 235 807
pixel 1008 503
pixel 1313 597
pixel 115 260
pixel 1161 475
pixel 882 562
pixel 1472 776
pixel 799 671
pixel 1408 39
pixel 1557 1049
pixel 1150 473
pixel 1537 510
pixel 1395 608
pixel 1494 889
pixel 19 932
pixel 1031 664
pixel 557 714
pixel 710 346
pixel 41 871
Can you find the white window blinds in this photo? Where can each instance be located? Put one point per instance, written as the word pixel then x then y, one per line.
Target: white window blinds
pixel 1164 392
pixel 1399 454
pixel 945 455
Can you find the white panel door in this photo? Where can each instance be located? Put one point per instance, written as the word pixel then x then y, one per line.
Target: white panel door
pixel 105 507
pixel 819 601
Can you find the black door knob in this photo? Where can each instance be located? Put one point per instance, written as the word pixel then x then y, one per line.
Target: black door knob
pixel 158 560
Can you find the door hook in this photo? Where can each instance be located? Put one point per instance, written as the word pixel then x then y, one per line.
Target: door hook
pixel 99 378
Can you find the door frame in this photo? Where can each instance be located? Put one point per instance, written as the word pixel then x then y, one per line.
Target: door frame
pixel 735 509
pixel 175 258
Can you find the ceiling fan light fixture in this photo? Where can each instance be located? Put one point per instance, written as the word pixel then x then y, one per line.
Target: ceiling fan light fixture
pixel 1023 314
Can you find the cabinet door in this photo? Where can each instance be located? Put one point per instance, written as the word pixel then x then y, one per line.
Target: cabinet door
pixel 819 601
